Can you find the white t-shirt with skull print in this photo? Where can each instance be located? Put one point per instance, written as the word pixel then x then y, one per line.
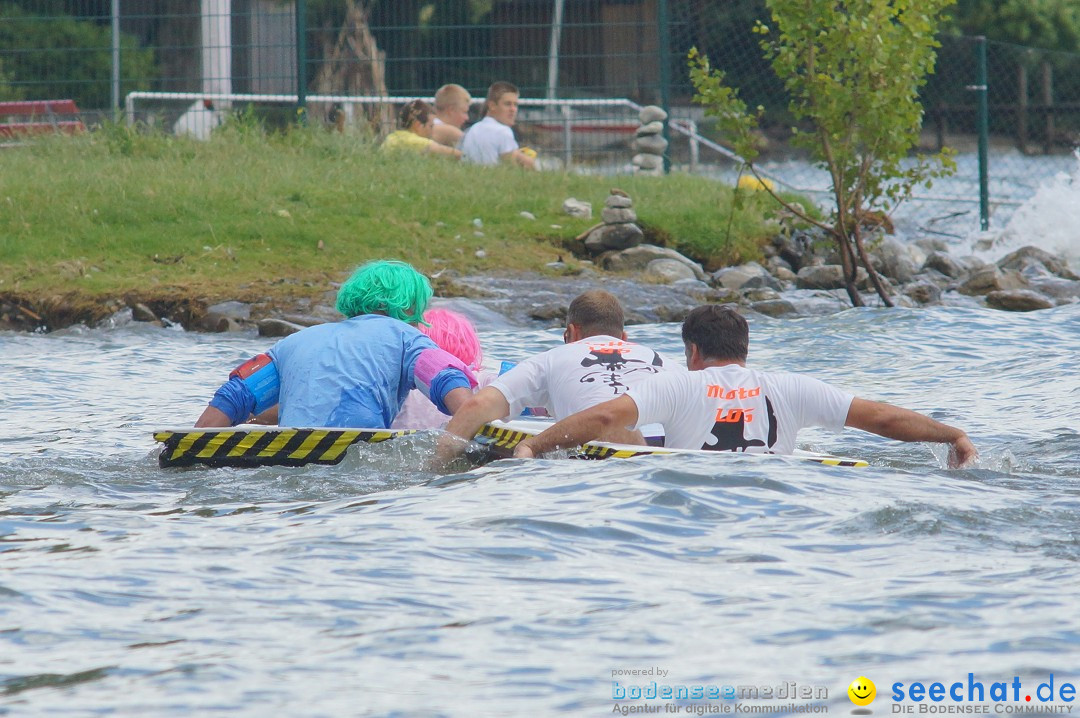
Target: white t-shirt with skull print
pixel 574 377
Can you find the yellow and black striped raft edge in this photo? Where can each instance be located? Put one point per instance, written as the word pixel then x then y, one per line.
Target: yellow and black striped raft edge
pixel 263 447
pixel 504 438
pixel 273 446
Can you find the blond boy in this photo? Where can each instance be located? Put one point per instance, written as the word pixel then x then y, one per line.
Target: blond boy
pixel 451 113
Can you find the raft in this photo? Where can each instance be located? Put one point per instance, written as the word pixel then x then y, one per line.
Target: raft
pixel 252 445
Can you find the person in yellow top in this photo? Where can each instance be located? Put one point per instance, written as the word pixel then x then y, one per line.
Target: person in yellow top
pixel 415 123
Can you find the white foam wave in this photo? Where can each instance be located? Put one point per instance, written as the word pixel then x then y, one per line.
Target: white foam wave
pixel 1050 220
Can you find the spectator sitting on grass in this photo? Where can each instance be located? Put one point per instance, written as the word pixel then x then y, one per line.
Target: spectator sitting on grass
pixel 415 122
pixel 491 140
pixel 451 113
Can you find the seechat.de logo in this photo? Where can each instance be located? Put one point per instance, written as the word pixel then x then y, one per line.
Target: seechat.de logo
pixel 862 693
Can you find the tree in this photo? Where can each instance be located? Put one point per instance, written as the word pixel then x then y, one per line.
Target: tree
pixel 352 63
pixel 409 32
pixel 853 70
pixel 7 92
pixel 59 56
pixel 52 8
pixel 1046 24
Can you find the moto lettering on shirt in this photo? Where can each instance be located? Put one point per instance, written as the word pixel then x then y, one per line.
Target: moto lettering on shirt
pixel 611 364
pixel 728 431
pixel 716 391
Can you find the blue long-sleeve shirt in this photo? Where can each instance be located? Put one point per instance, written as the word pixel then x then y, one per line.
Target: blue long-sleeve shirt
pixel 354 373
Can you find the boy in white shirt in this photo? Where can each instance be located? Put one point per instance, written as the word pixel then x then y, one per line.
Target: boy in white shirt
pixel 491 140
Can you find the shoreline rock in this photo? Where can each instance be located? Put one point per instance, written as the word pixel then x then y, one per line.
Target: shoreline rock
pixel 656 284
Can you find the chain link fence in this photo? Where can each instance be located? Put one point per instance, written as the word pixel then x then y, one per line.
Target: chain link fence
pixel 584 68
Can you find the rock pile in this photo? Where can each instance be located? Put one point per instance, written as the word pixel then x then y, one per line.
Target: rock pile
pixel 619 229
pixel 923 272
pixel 802 276
pixel 657 264
pixel 649 142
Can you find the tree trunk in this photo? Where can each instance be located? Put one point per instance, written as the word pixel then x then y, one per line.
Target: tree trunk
pixel 353 64
pixel 874 277
pixel 850 277
pixel 847 261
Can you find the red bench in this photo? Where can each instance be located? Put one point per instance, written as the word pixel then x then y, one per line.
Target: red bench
pixel 34 117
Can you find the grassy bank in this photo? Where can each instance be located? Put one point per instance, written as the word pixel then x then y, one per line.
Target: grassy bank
pixel 116 211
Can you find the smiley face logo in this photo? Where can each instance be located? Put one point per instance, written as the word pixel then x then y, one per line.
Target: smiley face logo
pixel 862 691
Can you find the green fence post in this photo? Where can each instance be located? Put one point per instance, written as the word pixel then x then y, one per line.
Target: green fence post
pixel 114 94
pixel 301 61
pixel 982 90
pixel 663 29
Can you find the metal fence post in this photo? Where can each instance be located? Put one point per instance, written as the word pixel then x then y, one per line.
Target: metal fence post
pixel 1048 103
pixel 115 94
pixel 664 45
pixel 553 79
pixel 301 61
pixel 984 133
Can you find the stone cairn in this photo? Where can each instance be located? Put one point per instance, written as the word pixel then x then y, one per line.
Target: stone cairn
pixel 649 143
pixel 618 230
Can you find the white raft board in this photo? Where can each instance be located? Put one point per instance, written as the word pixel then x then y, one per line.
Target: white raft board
pixel 503 436
pixel 250 445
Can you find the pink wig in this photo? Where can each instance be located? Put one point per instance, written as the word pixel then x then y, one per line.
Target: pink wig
pixel 454 333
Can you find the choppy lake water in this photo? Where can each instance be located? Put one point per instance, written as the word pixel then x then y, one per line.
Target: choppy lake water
pixel 376 588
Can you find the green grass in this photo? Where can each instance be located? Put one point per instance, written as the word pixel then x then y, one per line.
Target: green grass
pixel 117 211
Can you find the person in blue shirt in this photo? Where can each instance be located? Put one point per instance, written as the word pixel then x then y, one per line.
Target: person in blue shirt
pixel 354 373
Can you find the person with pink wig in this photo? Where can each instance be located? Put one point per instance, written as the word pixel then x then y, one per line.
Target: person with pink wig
pixel 456 335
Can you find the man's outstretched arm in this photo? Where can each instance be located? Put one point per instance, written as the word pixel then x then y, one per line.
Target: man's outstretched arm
pixel 252 388
pixel 582 427
pixel 447 134
pixel 456 398
pixel 893 422
pixel 480 408
pixel 212 417
pixel 472 413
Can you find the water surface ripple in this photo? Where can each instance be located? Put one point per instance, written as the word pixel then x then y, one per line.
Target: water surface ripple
pixel 377 588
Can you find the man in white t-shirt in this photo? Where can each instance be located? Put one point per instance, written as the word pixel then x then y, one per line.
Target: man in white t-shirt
pixel 722 405
pixel 595 364
pixel 491 140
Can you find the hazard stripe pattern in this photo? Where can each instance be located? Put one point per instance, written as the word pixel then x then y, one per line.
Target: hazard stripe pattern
pixel 263 447
pixel 506 439
pixel 297 447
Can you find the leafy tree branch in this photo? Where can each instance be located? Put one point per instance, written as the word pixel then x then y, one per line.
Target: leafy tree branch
pixel 853 70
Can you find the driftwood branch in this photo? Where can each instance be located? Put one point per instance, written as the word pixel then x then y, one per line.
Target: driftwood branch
pixel 581 237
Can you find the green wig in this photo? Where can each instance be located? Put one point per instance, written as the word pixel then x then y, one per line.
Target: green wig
pixel 385 287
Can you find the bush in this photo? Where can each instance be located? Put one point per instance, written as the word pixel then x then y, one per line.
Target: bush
pixel 1046 24
pixel 7 92
pixel 59 56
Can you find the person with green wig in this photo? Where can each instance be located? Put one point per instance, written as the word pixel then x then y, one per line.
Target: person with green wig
pixel 354 373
